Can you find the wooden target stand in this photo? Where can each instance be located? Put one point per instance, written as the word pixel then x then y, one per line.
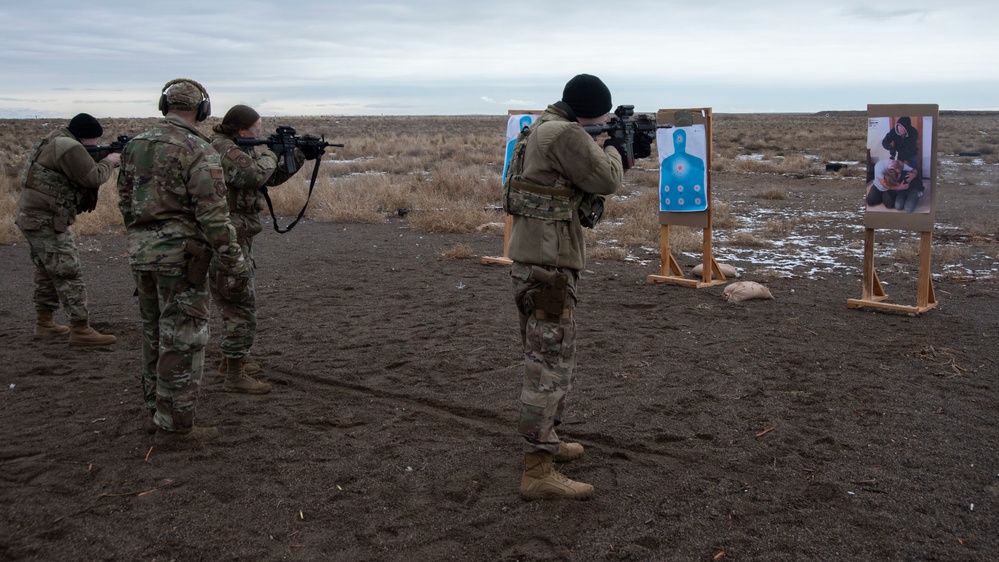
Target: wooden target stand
pixel 874 296
pixel 507 224
pixel 669 269
pixel 512 130
pixel 925 118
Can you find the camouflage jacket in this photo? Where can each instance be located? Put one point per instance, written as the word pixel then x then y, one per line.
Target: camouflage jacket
pixel 57 169
pixel 246 172
pixel 171 192
pixel 560 152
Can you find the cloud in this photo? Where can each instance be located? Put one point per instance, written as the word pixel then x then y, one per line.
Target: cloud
pixel 438 56
pixel 511 102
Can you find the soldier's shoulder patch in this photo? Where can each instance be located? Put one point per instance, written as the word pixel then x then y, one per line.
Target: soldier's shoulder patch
pixel 217 173
pixel 239 156
pixel 219 186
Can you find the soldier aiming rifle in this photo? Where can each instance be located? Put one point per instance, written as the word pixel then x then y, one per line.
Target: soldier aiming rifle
pixel 283 142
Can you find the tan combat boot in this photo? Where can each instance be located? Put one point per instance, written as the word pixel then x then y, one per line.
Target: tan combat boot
pixel 193 435
pixel 45 327
pixel 236 379
pixel 250 368
pixel 541 481
pixel 568 451
pixel 82 335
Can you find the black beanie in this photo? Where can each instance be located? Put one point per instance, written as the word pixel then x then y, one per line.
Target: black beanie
pixel 587 95
pixel 84 126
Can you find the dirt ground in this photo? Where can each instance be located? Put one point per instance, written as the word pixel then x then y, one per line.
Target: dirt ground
pixel 790 429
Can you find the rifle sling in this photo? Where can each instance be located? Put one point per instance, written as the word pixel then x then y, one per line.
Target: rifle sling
pixel 270 206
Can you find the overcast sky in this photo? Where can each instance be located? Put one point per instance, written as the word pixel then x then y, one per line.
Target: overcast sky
pixel 436 57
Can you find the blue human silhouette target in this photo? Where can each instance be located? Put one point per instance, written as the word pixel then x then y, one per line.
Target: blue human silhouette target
pixel 683 179
pixel 514 125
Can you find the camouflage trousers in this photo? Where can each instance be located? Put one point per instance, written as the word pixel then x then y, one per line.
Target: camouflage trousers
pixel 239 311
pixel 175 331
pixel 549 360
pixel 58 272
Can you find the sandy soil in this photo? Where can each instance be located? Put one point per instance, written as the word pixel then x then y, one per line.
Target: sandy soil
pixel 789 429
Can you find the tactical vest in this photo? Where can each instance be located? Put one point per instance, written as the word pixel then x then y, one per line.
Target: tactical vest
pixel 524 197
pixel 47 191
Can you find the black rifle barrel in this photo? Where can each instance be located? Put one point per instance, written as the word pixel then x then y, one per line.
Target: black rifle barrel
pixel 117 146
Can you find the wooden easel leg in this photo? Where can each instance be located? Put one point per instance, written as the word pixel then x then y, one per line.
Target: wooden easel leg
pixel 671 272
pixel 666 258
pixel 926 297
pixel 707 265
pixel 874 294
pixel 668 265
pixel 674 267
pixel 879 289
pixel 710 265
pixel 507 226
pixel 869 274
pixel 873 290
pixel 669 268
pixel 711 273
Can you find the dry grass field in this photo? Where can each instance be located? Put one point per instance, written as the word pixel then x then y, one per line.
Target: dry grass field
pixel 780 430
pixel 442 173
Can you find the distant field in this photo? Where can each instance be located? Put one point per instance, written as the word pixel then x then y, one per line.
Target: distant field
pixel 443 173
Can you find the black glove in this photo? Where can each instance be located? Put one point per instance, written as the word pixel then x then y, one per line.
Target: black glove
pixel 87 201
pixel 642 147
pixel 311 148
pixel 619 145
pixel 591 209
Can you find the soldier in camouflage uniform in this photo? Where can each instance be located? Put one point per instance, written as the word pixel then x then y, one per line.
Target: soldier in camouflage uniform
pixel 172 199
pixel 246 172
pixel 61 179
pixel 556 167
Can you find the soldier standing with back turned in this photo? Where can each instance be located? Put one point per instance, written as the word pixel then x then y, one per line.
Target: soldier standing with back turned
pixel 556 167
pixel 60 180
pixel 172 199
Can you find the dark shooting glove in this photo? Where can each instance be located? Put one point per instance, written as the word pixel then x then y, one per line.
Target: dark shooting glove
pixel 86 201
pixel 619 145
pixel 642 146
pixel 591 208
pixel 311 149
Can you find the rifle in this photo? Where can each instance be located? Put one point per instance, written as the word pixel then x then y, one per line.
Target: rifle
pixel 624 126
pixel 284 141
pixel 116 146
pixel 86 199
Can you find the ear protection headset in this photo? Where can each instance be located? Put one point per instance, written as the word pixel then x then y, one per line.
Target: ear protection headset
pixel 204 109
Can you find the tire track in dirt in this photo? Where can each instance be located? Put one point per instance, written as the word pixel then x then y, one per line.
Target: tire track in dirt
pixel 492 423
